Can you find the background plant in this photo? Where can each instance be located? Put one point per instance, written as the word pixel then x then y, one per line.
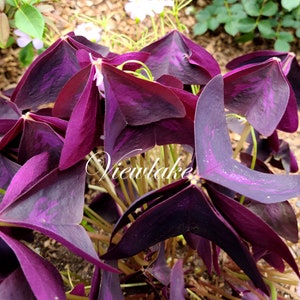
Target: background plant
pixel 245 20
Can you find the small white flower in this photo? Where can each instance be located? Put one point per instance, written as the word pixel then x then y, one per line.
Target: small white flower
pixel 89 31
pixel 24 39
pixel 98 77
pixel 139 9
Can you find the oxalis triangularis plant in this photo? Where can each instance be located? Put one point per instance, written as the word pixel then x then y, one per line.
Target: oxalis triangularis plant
pixel 175 197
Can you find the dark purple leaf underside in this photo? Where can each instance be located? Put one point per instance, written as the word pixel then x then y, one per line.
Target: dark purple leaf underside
pixel 13 132
pixel 188 210
pixel 84 127
pixel 251 227
pixel 9 115
pixel 80 42
pixel 151 199
pixel 214 154
pixel 42 277
pixel 175 55
pixel 7 171
pixel 8 290
pixel 254 57
pixel 54 206
pixel 110 284
pixel 46 76
pixel 70 94
pixel 39 137
pixel 177 290
pixel 260 92
pixel 280 216
pixel 159 268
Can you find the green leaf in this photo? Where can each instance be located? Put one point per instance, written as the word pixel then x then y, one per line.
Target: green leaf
pixel 285 36
pixel 29 20
pixel 245 37
pixel 231 27
pixel 269 9
pixel 12 3
pixel 251 7
pixel 246 25
pixel 298 33
pixel 281 45
pixel 26 55
pixel 290 4
pixel 213 24
pixel 200 28
pixel 265 29
pixel 203 15
pixel 287 21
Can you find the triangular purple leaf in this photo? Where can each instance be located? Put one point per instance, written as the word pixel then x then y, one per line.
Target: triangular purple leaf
pixel 260 92
pixel 214 154
pixel 177 290
pixel 42 277
pixel 85 126
pixel 251 227
pixel 48 208
pixel 188 210
pixel 139 108
pixel 176 55
pixel 38 137
pixel 8 290
pixel 8 169
pixel 46 76
pixel 159 268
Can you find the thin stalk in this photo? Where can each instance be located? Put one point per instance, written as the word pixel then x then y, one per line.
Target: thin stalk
pixel 244 136
pixel 254 150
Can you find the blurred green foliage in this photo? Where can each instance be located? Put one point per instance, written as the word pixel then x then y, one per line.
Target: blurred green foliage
pixel 245 20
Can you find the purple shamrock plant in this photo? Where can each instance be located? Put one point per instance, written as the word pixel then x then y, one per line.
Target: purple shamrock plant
pixel 126 160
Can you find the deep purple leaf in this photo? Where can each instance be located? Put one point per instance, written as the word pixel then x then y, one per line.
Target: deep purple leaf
pixel 206 250
pixel 7 171
pixel 251 227
pixel 289 64
pixel 79 290
pixel 80 42
pixel 178 56
pixel 38 137
pixel 70 94
pixel 254 57
pixel 46 76
pixel 85 126
pixel 59 125
pixel 27 176
pixel 15 286
pixel 12 133
pixel 139 108
pixel 280 216
pixel 9 115
pixel 43 278
pixel 177 290
pixel 105 206
pixel 187 211
pixel 48 207
pixel 260 92
pixel 159 268
pixel 214 154
pixel 9 261
pixel 110 284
